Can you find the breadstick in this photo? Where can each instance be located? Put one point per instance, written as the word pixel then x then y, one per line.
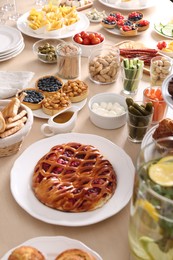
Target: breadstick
pixel 18 122
pixel 2 123
pixel 17 117
pixel 11 109
pixel 11 131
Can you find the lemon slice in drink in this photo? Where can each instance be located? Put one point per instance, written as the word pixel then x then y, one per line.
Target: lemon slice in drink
pixel 162 172
pixel 149 208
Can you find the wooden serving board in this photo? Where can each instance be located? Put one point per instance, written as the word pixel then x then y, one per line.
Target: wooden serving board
pixel 88 5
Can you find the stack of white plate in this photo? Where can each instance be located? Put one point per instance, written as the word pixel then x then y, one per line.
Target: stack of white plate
pixel 11 42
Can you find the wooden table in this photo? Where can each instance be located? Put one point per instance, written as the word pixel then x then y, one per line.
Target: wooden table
pixel 109 237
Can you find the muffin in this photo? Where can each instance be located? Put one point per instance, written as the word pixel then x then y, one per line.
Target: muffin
pixel 26 253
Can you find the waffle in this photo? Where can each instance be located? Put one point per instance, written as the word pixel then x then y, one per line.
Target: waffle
pixel 74 177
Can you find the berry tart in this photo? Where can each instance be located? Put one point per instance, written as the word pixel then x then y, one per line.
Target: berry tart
pixel 142 25
pixel 128 30
pixel 77 90
pixel 123 22
pixel 32 98
pixel 53 104
pixel 118 16
pixel 135 16
pixel 49 85
pixel 109 22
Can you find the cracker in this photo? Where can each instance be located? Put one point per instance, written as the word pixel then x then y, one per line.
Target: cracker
pixel 12 108
pixel 11 130
pixel 17 117
pixel 18 122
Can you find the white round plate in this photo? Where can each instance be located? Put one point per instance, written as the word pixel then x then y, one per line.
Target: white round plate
pixel 116 31
pixel 82 25
pixel 10 38
pixel 21 183
pixel 167 97
pixel 129 6
pixel 148 137
pixel 52 246
pixel 40 114
pixel 158 32
pixel 13 54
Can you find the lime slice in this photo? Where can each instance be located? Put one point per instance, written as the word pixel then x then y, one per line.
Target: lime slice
pixel 162 172
pixel 153 249
pixel 166 159
pixel 167 30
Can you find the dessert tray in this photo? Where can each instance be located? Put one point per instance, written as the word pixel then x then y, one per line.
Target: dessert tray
pixel 51 246
pixel 130 5
pixel 40 114
pixel 21 183
pixel 167 97
pixel 83 24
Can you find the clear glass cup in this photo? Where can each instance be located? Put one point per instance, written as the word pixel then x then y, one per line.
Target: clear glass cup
pixel 151 213
pixel 68 60
pixel 41 2
pixel 131 77
pixel 138 125
pixel 151 94
pixel 160 68
pixel 104 64
pixel 2 17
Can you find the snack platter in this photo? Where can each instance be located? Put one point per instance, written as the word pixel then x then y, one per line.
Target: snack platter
pixel 58 34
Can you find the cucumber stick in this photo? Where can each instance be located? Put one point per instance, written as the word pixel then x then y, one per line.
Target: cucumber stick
pixel 132 73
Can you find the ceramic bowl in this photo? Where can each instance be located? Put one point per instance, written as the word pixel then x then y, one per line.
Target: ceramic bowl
pixel 88 49
pixel 43 52
pixel 115 117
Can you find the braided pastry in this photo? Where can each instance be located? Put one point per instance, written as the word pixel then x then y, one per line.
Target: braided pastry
pixel 74 254
pixel 74 177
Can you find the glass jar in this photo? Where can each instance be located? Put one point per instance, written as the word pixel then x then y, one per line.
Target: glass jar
pixel 151 214
pixel 104 65
pixel 68 60
pixel 160 68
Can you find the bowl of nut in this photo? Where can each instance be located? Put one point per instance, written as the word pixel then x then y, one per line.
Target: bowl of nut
pixel 45 50
pixel 88 42
pixel 107 110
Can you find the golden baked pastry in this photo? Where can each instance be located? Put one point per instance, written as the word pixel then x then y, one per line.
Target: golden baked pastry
pixel 75 254
pixel 33 98
pixel 53 104
pixel 128 30
pixel 49 85
pixel 164 129
pixel 77 90
pixel 74 177
pixel 26 253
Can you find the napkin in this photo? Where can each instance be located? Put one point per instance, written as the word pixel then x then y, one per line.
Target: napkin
pixel 11 82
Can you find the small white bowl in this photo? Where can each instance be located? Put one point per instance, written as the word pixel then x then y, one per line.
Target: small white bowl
pixel 87 49
pixel 45 57
pixel 107 122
